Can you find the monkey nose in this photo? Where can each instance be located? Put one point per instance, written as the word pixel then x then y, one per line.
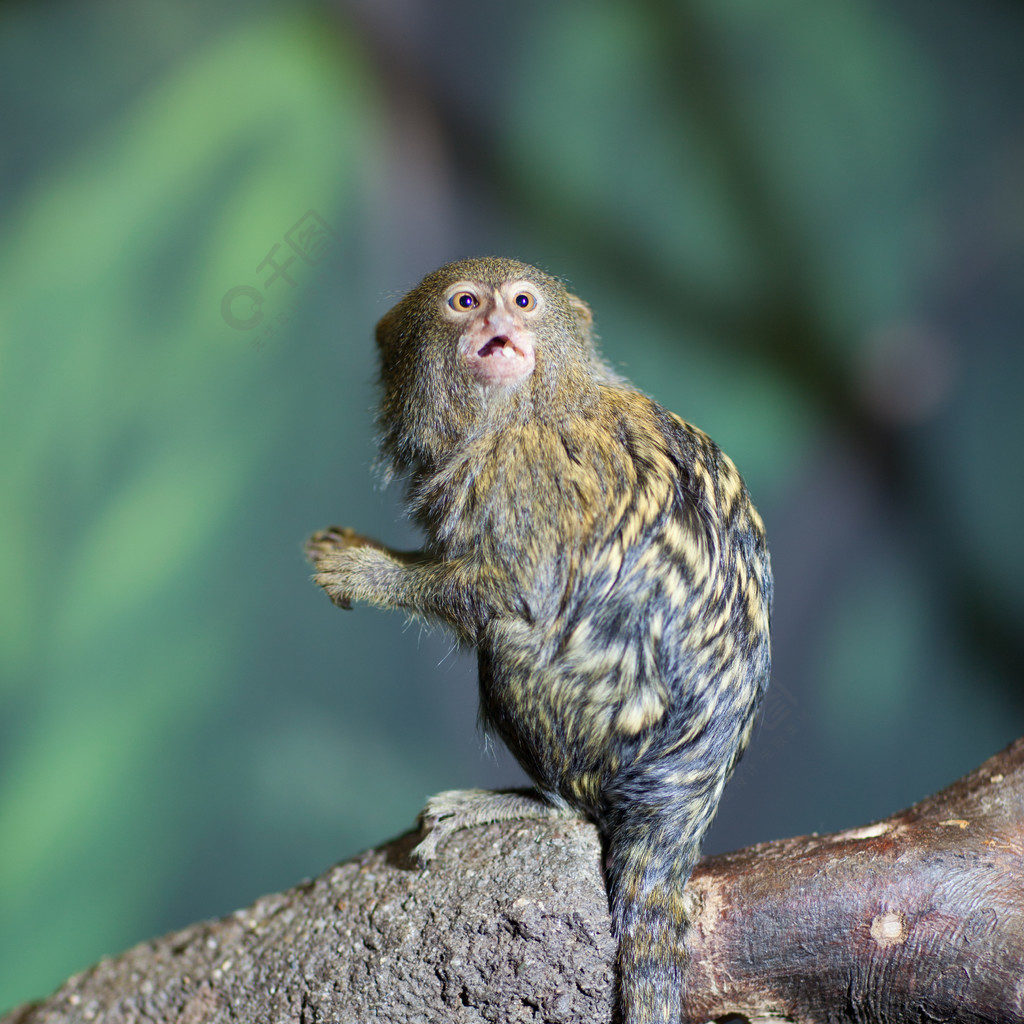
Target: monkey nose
pixel 499 322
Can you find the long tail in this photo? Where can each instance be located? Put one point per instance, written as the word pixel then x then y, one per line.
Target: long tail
pixel 649 913
pixel 651 847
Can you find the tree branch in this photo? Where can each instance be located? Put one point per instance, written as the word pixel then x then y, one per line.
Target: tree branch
pixel 918 917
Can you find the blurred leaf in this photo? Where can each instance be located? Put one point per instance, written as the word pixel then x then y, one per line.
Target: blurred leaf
pixel 135 418
pixel 841 111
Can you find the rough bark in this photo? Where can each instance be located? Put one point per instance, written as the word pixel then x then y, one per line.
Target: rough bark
pixel 916 918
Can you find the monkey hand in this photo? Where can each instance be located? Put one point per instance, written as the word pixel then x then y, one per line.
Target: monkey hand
pixel 334 539
pixel 339 569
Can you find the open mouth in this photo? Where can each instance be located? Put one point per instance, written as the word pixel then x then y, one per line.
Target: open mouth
pixel 500 359
pixel 502 347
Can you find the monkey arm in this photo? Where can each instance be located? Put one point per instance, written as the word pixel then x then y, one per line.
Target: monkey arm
pixel 456 591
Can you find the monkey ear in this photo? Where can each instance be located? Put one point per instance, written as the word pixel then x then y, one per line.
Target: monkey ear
pixel 582 313
pixel 385 327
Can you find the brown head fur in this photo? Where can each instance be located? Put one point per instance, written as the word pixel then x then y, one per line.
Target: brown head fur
pixel 432 401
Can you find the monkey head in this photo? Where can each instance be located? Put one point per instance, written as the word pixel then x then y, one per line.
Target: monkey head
pixel 478 344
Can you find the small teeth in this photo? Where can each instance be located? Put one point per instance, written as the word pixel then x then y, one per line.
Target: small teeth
pixel 504 347
pixel 508 351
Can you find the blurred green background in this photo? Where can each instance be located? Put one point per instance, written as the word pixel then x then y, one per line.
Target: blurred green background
pixel 800 225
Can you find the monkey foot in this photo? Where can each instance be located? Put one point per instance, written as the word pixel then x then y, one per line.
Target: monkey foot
pixel 457 809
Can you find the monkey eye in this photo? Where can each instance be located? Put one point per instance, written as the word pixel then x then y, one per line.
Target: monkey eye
pixel 525 301
pixel 461 301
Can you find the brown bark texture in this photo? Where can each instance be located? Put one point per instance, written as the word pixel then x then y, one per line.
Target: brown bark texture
pixel 916 918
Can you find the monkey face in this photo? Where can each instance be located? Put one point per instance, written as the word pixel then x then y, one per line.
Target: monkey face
pixel 497 341
pixel 480 344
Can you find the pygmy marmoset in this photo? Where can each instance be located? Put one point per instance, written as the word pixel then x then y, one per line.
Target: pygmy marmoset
pixel 604 559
